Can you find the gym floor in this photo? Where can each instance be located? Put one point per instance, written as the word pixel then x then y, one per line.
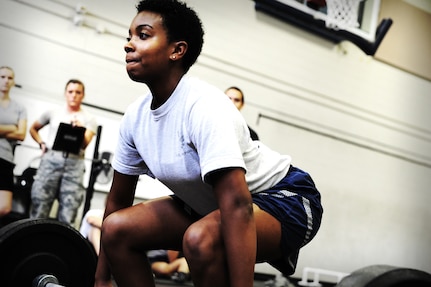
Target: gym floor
pixel 170 283
pixel 257 283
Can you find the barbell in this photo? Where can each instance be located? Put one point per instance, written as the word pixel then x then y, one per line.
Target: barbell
pixel 45 253
pixel 381 275
pixel 49 253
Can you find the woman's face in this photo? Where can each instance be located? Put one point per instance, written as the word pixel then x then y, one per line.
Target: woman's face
pixel 147 49
pixel 7 80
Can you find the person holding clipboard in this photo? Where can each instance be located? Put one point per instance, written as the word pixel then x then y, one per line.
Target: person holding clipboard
pixel 62 167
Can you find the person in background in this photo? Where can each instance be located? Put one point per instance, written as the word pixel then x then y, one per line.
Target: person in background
pixel 236 95
pixel 236 201
pixel 13 128
pixel 169 264
pixel 60 175
pixel 90 227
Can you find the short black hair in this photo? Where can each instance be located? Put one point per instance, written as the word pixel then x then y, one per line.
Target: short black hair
pixel 181 23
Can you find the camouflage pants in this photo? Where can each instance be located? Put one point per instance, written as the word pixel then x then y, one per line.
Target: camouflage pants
pixel 58 177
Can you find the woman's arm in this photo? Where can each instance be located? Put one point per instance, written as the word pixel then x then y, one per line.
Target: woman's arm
pixel 120 196
pixel 6 129
pixel 14 132
pixel 237 224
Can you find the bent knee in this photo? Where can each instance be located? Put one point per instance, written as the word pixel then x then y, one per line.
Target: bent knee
pixel 200 243
pixel 112 229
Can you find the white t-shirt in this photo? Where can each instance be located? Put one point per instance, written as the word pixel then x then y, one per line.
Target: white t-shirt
pixel 196 131
pixel 10 115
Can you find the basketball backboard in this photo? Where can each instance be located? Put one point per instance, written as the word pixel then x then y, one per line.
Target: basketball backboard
pixel 314 15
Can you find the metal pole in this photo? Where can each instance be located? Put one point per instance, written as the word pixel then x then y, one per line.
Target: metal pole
pixel 95 169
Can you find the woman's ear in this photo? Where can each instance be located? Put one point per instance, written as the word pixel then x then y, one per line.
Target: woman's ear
pixel 180 50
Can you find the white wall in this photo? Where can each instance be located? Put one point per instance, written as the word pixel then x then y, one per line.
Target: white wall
pixel 359 126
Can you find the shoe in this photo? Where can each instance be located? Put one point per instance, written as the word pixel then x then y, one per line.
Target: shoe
pixel 179 277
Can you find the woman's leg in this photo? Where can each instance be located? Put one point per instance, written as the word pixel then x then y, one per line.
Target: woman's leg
pixel 128 233
pixel 205 253
pixel 6 187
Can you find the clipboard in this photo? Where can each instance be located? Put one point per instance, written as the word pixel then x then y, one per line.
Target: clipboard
pixel 69 138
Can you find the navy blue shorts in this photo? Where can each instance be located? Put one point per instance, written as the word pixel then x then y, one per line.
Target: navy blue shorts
pixel 295 202
pixel 6 175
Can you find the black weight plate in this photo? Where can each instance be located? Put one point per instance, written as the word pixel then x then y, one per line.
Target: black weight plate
pixel 31 247
pixel 386 276
pixel 402 277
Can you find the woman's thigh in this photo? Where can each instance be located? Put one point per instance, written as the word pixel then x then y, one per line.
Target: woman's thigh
pixel 268 231
pixel 153 224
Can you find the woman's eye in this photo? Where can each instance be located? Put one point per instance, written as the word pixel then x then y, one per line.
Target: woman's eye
pixel 143 35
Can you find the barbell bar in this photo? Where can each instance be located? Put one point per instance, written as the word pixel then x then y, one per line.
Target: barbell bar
pixel 46 280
